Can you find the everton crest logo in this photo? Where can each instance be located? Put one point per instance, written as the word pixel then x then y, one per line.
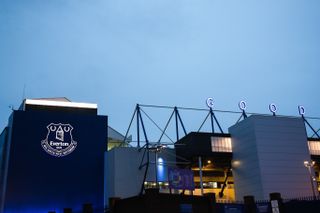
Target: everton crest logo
pixel 59 140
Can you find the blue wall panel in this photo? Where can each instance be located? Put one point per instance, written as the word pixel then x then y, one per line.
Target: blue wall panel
pixel 40 182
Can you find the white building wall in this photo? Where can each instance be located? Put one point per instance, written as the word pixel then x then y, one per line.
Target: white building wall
pixel 269 152
pixel 123 177
pixel 245 164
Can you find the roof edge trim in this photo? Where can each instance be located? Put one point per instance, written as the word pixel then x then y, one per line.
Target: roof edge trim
pixel 60 104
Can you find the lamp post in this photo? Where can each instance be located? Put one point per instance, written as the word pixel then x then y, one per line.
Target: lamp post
pixel 309 165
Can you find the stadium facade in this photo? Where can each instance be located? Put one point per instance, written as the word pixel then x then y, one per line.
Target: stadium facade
pixel 55 154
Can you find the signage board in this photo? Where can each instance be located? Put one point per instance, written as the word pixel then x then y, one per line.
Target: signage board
pixel 180 178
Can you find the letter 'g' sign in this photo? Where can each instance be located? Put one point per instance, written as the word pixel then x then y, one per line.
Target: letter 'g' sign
pixel 210 102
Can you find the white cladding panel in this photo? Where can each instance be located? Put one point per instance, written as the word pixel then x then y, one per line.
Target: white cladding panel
pixel 245 166
pixel 273 152
pixel 123 176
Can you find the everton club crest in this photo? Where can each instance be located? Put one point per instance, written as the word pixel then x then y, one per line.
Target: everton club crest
pixel 59 141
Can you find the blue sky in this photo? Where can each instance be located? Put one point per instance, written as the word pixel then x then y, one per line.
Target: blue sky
pixel 117 53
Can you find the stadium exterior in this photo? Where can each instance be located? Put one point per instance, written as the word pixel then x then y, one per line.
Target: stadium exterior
pixel 52 144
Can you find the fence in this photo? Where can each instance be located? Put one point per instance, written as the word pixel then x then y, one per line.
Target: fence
pixel 310 204
pixel 194 204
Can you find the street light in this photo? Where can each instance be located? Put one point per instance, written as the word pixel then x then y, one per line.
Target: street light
pixel 309 165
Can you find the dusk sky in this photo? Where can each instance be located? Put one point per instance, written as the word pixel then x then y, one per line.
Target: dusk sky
pixel 117 53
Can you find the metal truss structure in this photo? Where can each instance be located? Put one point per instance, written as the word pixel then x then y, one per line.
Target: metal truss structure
pixel 156 146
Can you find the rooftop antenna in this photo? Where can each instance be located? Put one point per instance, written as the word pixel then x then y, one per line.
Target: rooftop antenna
pixel 24 92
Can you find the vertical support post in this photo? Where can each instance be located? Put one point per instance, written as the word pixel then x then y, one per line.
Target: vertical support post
pixel 138 125
pixel 212 123
pixel 244 114
pixel 147 147
pixel 200 174
pixel 176 117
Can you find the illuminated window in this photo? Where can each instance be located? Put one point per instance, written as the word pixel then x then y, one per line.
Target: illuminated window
pixel 221 144
pixel 213 185
pixel 314 147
